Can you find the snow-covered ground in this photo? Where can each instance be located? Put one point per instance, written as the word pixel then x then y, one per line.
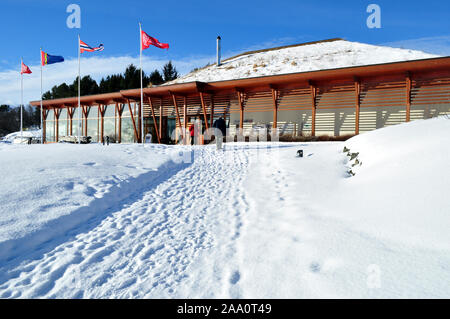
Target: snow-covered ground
pixel 251 221
pixel 305 58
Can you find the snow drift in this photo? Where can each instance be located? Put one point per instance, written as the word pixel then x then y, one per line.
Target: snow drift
pixel 302 58
pixel 246 222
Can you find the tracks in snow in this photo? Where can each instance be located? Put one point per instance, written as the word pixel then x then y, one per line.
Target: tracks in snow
pixel 178 239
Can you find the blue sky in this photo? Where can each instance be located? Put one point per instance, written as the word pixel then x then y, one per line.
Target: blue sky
pixel 191 27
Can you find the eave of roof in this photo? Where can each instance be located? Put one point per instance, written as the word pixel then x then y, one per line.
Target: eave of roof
pixel 269 80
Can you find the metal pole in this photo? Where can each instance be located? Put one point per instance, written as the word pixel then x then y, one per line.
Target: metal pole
pixel 42 122
pixel 21 101
pixel 142 91
pixel 79 92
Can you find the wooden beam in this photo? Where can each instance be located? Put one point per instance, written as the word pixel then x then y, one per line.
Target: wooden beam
pixel 275 107
pixel 132 120
pixel 102 109
pixel 313 108
pixel 56 113
pixel 357 104
pixel 161 110
pixel 202 99
pixel 408 97
pixel 241 108
pixel 175 105
pixel 154 119
pixel 212 110
pixel 85 115
pixel 185 114
pixel 119 113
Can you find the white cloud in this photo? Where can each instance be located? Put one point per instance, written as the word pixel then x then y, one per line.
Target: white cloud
pixel 437 45
pixel 96 67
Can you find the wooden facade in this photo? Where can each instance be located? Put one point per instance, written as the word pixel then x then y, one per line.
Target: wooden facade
pixel 343 101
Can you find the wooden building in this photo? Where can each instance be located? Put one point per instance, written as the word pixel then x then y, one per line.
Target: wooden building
pixel 333 102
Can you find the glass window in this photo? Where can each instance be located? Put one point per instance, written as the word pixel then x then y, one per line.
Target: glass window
pixel 92 124
pixel 62 123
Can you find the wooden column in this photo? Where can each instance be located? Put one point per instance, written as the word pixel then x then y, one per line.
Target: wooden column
pixel 185 114
pixel 357 105
pixel 241 108
pixel 102 109
pixel 44 124
pixel 119 113
pixel 161 110
pixel 175 105
pixel 134 123
pixel 85 115
pixel 313 108
pixel 212 111
pixel 69 118
pixel 408 97
pixel 202 99
pixel 275 108
pixel 154 119
pixel 57 113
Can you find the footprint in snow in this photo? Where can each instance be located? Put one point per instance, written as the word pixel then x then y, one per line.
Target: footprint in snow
pixel 235 277
pixel 314 267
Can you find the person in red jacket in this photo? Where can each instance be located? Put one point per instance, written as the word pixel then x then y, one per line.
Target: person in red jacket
pixel 192 133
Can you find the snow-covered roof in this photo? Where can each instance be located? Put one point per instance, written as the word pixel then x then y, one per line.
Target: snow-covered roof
pixel 322 55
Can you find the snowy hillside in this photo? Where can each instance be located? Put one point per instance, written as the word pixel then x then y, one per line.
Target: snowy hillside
pixel 124 221
pixel 319 56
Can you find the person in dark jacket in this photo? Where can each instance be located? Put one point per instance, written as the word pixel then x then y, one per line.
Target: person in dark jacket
pixel 222 127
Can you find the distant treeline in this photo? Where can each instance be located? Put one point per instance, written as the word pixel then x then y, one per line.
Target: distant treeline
pixel 130 79
pixel 10 118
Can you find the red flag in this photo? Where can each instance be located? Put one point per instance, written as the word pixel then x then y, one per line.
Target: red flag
pixel 147 41
pixel 25 69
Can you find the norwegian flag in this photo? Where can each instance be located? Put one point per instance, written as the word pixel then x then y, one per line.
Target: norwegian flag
pixel 25 69
pixel 84 47
pixel 147 41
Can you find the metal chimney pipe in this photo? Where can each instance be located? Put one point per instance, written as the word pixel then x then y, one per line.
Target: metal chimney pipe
pixel 218 50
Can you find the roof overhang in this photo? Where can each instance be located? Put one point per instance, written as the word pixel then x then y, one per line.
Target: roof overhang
pixel 302 78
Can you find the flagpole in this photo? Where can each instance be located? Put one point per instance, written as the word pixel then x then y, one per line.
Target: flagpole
pixel 21 101
pixel 42 122
pixel 79 91
pixel 142 92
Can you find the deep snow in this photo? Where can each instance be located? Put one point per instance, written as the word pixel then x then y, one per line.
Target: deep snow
pixel 250 222
pixel 306 58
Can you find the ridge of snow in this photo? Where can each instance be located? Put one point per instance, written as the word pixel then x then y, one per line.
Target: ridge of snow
pixel 30 133
pixel 303 58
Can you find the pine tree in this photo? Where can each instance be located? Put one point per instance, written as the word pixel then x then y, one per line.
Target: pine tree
pixel 156 78
pixel 170 72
